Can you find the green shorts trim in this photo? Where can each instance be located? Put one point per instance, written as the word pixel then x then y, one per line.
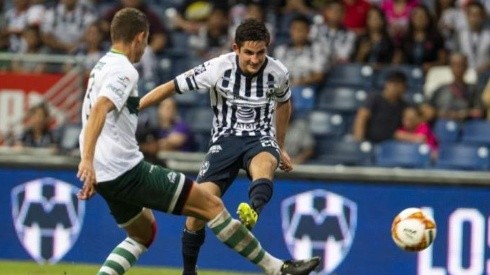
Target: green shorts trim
pixel 145 185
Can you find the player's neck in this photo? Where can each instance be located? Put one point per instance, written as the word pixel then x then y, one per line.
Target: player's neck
pixel 119 48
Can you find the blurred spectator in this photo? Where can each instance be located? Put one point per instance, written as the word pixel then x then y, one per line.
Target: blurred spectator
pixel 301 56
pixel 64 25
pixel 299 141
pixel 474 41
pixel 375 46
pixel 173 133
pixel 379 118
pixel 192 14
pixel 3 28
pixel 20 16
pixel 457 100
pixel 422 45
pixel 415 129
pixel 37 132
pixel 212 39
pixel 305 61
pixel 356 15
pixel 286 10
pixel 92 47
pixel 31 44
pixel 336 39
pixel 397 14
pixel 450 20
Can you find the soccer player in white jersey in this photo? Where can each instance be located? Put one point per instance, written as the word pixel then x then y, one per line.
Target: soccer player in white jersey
pixel 247 88
pixel 112 164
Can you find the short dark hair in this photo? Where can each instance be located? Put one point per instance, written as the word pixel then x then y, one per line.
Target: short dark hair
pixel 127 23
pixel 300 18
pixel 251 30
pixel 397 77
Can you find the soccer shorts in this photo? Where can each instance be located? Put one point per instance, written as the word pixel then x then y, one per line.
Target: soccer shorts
pixel 145 185
pixel 229 154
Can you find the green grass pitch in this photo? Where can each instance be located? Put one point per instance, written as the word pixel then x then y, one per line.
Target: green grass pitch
pixel 32 268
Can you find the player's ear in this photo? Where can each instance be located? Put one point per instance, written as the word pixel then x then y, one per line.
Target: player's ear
pixel 235 48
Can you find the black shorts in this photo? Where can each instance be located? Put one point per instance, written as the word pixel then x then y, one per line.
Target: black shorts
pixel 228 154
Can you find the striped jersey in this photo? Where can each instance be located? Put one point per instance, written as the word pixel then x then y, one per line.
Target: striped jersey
pixel 242 105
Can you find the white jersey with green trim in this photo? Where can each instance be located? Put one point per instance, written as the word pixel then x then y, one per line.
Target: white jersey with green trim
pixel 116 151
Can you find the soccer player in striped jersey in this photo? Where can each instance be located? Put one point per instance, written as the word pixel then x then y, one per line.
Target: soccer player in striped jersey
pixel 112 164
pixel 250 95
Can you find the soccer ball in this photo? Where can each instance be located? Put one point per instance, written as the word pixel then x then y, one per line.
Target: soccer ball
pixel 413 229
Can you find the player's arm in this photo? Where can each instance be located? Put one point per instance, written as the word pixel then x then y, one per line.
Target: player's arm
pixel 157 95
pixel 283 113
pixel 93 128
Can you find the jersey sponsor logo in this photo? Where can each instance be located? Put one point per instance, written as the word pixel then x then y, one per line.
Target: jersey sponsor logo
pixel 204 168
pixel 117 90
pixel 47 217
pixel 199 69
pixel 215 149
pixel 172 176
pixel 319 222
pixel 244 126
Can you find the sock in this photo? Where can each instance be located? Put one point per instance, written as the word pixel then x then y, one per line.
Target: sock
pixel 191 244
pixel 122 257
pixel 236 236
pixel 260 192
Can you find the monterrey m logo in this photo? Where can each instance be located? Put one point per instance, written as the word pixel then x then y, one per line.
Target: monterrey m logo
pixel 47 217
pixel 319 223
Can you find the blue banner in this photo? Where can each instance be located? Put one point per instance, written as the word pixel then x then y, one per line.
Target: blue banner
pixel 347 223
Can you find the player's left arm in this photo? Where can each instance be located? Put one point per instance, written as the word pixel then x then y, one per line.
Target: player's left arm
pixel 93 128
pixel 283 113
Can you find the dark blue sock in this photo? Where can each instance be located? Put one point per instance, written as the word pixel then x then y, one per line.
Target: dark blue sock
pixel 191 243
pixel 259 193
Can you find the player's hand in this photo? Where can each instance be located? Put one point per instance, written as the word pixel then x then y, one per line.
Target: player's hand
pixel 86 174
pixel 286 164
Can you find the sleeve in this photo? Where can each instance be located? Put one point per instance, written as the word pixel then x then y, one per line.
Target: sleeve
pixel 201 77
pixel 283 92
pixel 118 86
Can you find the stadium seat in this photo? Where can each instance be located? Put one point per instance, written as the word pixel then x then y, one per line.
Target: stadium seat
pixel 415 77
pixel 462 157
pixel 402 154
pixel 476 132
pixel 440 75
pixel 447 131
pixel 344 152
pixel 327 124
pixel 350 75
pixel 303 98
pixel 341 99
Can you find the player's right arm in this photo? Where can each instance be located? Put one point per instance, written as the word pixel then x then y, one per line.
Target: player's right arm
pixel 93 128
pixel 157 95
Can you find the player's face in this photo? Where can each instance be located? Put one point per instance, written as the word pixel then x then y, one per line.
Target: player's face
pixel 138 47
pixel 251 56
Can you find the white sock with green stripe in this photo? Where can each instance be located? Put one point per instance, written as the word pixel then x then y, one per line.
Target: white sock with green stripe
pixel 122 257
pixel 239 238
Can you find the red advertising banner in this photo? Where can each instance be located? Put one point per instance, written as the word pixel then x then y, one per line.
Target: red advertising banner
pixel 18 92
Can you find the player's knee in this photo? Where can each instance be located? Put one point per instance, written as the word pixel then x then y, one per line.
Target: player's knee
pixel 151 236
pixel 214 205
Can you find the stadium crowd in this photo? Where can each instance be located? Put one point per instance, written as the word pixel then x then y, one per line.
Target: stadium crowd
pixel 364 73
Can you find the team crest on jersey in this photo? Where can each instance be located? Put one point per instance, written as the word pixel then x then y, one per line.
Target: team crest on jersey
pixel 204 168
pixel 319 223
pixel 47 217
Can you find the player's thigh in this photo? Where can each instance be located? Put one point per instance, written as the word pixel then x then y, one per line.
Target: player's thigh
pixel 222 163
pixel 261 158
pixel 192 222
pixel 201 203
